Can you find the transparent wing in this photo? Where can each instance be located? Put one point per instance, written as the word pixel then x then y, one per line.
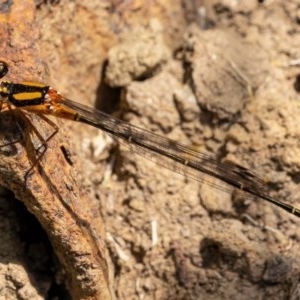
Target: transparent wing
pixel 181 159
pixel 172 155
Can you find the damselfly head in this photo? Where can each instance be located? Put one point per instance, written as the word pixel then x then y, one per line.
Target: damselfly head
pixel 3 68
pixel 4 88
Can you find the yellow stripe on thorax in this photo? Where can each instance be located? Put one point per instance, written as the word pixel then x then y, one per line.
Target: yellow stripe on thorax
pixel 37 84
pixel 27 96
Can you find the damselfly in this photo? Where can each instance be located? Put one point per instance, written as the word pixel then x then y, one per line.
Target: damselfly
pixel 44 100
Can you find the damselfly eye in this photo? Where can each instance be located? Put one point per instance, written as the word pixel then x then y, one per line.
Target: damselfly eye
pixel 3 68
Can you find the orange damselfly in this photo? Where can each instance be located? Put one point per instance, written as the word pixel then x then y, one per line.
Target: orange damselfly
pixel 44 100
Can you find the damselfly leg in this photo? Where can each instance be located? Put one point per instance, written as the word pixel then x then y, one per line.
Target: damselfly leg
pixel 21 116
